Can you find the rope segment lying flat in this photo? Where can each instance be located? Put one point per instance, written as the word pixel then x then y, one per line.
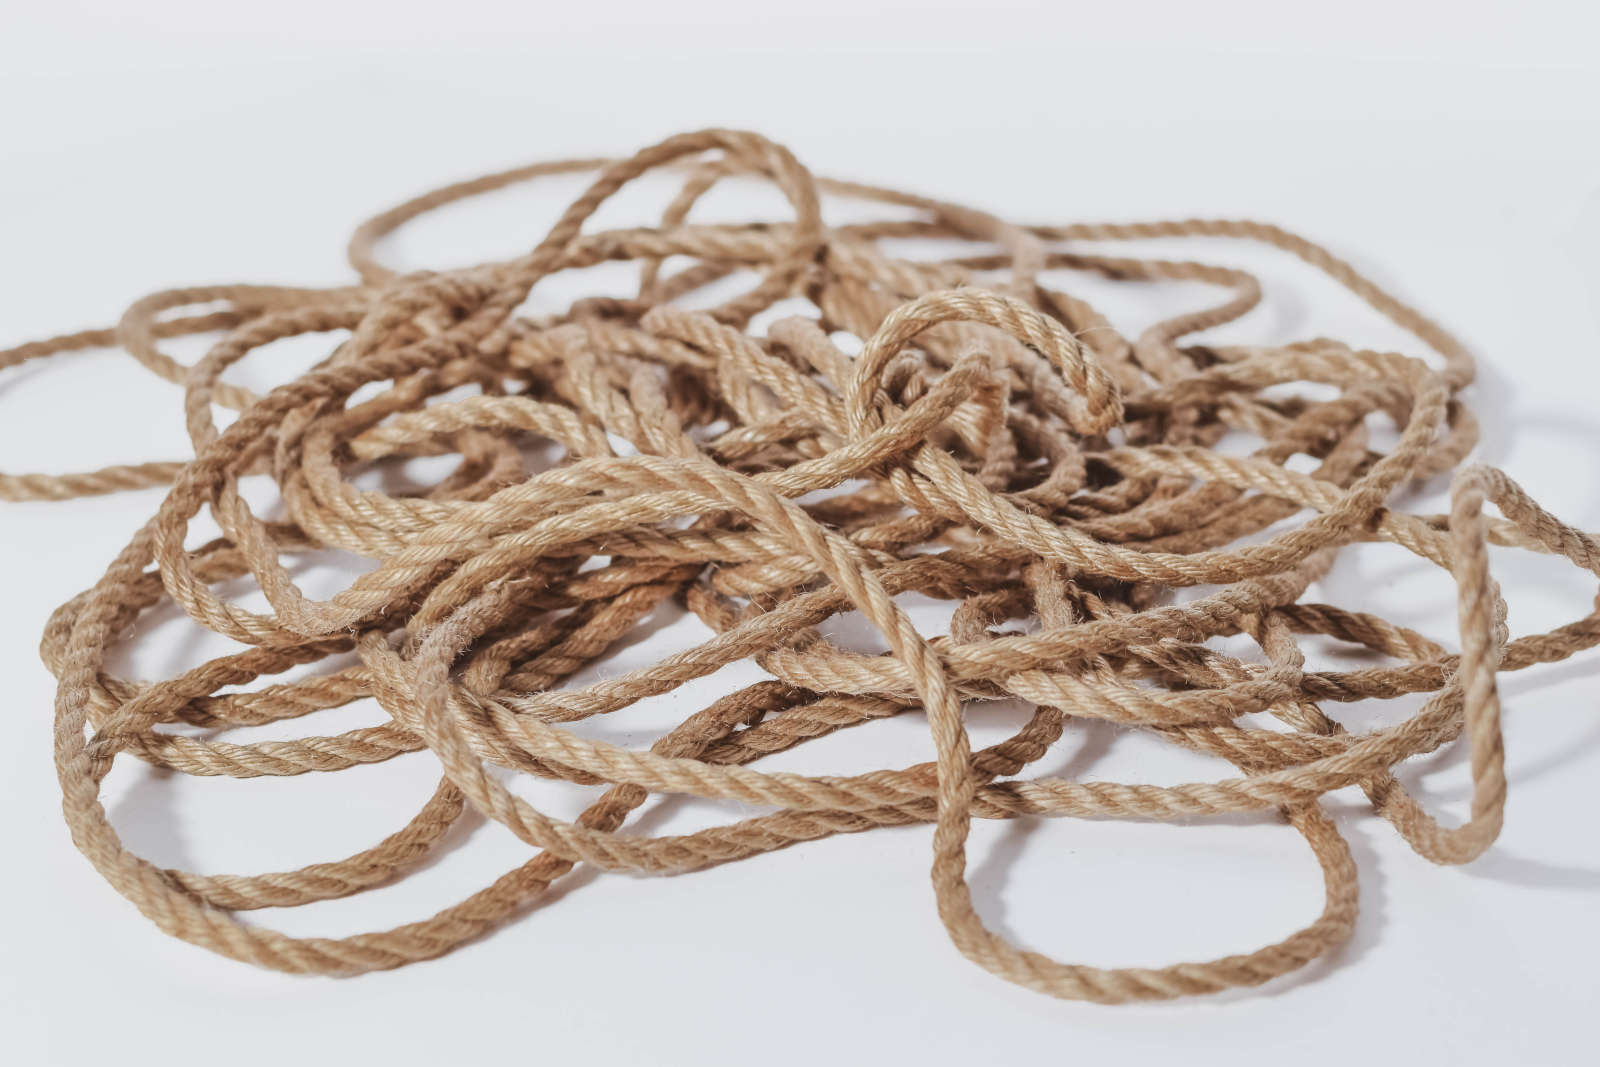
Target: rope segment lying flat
pixel 985 440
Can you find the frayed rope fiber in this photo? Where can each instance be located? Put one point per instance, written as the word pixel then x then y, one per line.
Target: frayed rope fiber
pixel 992 442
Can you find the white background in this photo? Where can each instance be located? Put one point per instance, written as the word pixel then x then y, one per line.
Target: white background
pixel 1452 149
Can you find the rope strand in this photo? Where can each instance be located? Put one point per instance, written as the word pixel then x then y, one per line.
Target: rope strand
pixel 996 444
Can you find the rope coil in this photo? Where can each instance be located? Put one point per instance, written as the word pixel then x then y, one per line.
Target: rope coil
pixel 995 444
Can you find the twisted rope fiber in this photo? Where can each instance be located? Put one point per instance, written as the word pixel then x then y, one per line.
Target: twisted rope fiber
pixel 994 443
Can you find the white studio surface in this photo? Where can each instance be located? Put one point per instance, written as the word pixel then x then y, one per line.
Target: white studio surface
pixel 1450 151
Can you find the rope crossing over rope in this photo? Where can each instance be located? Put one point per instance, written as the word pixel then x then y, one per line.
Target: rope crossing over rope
pixel 995 443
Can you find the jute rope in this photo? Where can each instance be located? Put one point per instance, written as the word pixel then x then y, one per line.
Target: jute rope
pixel 994 443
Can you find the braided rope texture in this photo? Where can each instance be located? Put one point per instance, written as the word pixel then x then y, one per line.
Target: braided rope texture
pixel 986 441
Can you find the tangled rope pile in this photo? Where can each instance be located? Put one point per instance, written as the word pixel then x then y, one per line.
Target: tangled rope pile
pixel 995 443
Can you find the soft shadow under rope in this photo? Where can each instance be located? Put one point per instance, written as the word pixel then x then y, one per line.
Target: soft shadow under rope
pixel 994 443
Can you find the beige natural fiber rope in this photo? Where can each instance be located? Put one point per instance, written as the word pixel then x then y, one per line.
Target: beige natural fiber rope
pixel 993 443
